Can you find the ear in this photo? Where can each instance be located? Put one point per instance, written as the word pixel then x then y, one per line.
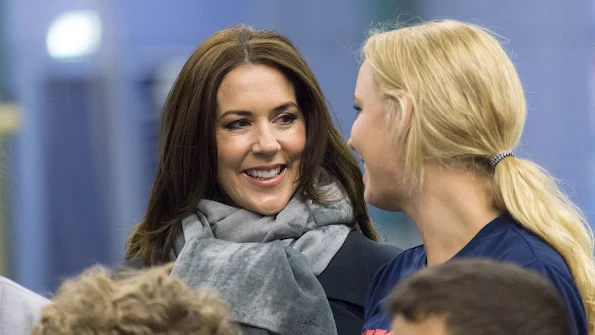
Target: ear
pixel 403 104
pixel 407 114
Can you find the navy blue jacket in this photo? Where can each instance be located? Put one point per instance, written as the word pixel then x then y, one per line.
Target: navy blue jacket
pixel 504 240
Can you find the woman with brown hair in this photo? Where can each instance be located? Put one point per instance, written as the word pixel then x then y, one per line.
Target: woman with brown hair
pixel 257 193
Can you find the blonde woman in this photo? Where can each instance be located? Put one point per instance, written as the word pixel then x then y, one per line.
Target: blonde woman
pixel 440 112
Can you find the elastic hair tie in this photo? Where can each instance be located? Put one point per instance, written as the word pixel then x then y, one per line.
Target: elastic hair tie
pixel 499 157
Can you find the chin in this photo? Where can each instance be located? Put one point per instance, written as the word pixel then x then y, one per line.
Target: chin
pixel 270 209
pixel 381 202
pixel 267 212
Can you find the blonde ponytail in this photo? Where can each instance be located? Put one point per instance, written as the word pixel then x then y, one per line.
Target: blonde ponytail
pixel 533 198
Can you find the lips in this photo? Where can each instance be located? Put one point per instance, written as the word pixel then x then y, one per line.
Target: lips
pixel 265 173
pixel 266 176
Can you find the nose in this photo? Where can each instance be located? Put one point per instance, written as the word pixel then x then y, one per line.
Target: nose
pixel 350 145
pixel 266 142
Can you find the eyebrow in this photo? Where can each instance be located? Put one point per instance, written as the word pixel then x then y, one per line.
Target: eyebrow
pixel 355 99
pixel 277 109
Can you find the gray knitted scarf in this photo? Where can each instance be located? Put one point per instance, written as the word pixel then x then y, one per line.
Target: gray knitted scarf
pixel 266 266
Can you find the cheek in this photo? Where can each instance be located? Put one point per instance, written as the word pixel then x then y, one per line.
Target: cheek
pixel 383 161
pixel 230 153
pixel 299 144
pixel 294 142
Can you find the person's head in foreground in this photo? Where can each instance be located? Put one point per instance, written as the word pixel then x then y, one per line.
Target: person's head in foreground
pixel 139 302
pixel 477 296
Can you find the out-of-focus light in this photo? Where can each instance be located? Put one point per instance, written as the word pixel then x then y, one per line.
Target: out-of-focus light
pixel 74 34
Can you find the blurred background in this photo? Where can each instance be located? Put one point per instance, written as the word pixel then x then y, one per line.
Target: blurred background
pixel 82 83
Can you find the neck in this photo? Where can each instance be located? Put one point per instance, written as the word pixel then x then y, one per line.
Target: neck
pixel 450 209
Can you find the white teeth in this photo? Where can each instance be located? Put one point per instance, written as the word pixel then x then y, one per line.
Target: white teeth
pixel 264 174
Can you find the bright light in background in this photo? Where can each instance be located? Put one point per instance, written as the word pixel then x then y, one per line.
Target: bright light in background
pixel 74 34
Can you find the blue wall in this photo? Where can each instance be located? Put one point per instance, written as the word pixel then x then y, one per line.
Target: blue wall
pixel 84 156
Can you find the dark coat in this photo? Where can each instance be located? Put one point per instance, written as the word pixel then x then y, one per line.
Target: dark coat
pixel 347 277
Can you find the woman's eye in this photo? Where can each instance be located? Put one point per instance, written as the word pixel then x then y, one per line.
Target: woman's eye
pixel 238 124
pixel 357 108
pixel 287 119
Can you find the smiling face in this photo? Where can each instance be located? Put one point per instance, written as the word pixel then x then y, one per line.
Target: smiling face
pixel 261 134
pixel 374 142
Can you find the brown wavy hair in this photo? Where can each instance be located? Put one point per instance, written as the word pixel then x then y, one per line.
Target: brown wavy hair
pixel 481 296
pixel 139 302
pixel 188 159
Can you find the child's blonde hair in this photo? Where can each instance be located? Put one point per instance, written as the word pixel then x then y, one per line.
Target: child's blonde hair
pixel 139 302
